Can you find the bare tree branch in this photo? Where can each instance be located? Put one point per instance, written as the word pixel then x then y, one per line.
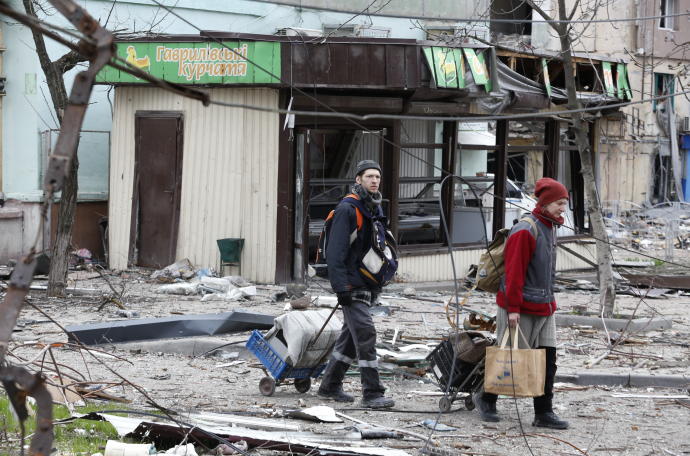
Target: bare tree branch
pixel 68 61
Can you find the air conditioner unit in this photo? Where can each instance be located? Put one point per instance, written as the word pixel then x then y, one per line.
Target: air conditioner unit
pixel 356 30
pixel 297 31
pixel 685 125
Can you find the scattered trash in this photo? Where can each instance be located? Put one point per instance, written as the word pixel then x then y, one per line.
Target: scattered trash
pixel 279 297
pixel 223 449
pixel 182 269
pixel 325 301
pixel 183 450
pixel 320 414
pixel 435 425
pixel 115 448
pixel 233 294
pixel 181 288
pixel 127 314
pixel 409 291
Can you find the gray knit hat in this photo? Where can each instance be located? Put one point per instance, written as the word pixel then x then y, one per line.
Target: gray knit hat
pixel 365 165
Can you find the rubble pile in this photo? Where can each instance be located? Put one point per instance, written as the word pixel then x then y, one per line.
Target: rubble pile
pixel 622 380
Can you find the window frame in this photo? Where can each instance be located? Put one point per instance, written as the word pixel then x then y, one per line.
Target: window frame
pixel 667 9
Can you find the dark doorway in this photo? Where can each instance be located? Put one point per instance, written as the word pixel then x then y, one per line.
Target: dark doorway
pixel 157 185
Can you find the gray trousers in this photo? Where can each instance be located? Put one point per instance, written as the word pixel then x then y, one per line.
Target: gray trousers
pixel 357 340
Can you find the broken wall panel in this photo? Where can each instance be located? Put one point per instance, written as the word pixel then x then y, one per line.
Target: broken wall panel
pixel 163 328
pixel 224 195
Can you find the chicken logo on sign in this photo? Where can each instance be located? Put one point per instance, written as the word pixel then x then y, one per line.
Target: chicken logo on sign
pixel 132 59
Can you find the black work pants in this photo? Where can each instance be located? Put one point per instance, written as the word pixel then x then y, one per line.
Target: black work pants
pixel 357 340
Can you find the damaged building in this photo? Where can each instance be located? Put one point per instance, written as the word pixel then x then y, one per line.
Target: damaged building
pixel 184 175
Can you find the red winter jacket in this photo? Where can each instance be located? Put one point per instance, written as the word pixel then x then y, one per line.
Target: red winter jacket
pixel 518 253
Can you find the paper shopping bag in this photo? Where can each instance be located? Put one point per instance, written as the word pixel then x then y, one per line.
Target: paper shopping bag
pixel 514 372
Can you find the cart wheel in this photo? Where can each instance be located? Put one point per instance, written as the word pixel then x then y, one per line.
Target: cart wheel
pixel 469 403
pixel 444 404
pixel 302 384
pixel 267 386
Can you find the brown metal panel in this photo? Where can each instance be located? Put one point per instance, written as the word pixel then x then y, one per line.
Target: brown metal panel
pixel 358 68
pixel 319 62
pixel 395 66
pixel 339 60
pixel 285 202
pixel 500 175
pixel 413 66
pixel 376 63
pixel 348 103
pixel 157 187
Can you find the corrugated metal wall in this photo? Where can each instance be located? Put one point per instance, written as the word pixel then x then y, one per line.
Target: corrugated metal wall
pixel 426 268
pixel 416 131
pixel 229 176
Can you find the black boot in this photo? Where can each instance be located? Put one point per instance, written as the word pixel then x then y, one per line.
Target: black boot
pixel 543 405
pixel 486 406
pixel 332 382
pixel 549 420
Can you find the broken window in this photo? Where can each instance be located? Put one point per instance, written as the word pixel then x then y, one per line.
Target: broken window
pixel 420 177
pixel 332 156
pixel 589 77
pixel 511 10
pixel 668 9
pixel 663 85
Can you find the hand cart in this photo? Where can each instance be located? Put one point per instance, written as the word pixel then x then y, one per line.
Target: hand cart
pixel 277 370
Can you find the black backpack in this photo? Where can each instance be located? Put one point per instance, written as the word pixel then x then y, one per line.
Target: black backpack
pixel 379 263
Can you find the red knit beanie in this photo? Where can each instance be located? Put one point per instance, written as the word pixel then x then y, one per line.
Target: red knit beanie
pixel 549 190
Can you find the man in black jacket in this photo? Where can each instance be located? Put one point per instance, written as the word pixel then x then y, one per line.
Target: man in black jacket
pixel 346 245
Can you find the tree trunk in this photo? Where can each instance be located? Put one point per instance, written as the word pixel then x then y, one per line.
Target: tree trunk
pixel 57 277
pixel 607 290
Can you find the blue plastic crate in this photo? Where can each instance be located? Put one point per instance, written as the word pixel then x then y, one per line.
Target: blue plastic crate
pixel 276 366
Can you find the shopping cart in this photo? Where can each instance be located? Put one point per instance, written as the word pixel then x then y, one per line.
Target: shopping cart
pixel 278 370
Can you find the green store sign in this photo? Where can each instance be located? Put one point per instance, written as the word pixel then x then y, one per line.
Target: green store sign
pixel 447 65
pixel 232 62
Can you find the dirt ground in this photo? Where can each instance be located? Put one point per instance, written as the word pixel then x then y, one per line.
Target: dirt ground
pixel 600 422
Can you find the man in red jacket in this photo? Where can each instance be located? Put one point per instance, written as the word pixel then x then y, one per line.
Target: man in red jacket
pixel 526 297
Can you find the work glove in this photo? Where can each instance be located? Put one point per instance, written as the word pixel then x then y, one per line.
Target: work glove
pixel 345 298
